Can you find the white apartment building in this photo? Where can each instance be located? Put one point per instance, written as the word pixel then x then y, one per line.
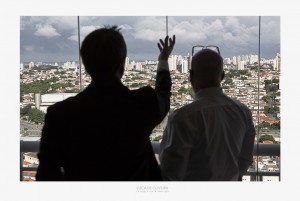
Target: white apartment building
pixel 172 62
pixel 276 62
pixel 31 65
pixel 42 102
pixel 241 65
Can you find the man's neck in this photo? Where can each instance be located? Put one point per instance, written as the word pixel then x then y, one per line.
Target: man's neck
pixel 200 87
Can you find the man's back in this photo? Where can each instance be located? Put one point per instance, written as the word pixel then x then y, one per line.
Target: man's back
pixel 103 133
pixel 208 138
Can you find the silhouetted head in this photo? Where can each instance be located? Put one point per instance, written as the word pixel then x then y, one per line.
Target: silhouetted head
pixel 207 69
pixel 103 53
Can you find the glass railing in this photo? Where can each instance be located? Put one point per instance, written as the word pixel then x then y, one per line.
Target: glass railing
pixel 266 171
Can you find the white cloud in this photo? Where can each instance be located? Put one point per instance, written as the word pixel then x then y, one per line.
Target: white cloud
pixel 63 22
pixel 31 48
pixel 46 30
pixel 28 48
pixel 270 31
pixel 149 28
pixel 84 31
pixel 60 22
pixel 196 30
pixel 232 33
pixel 125 27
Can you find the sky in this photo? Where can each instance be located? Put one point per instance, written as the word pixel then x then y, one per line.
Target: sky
pixel 55 38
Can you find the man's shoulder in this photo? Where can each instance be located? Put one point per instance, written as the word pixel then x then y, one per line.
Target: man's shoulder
pixel 184 112
pixel 144 94
pixel 237 102
pixel 64 104
pixel 143 90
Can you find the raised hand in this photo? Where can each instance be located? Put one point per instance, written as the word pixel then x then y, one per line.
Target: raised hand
pixel 165 47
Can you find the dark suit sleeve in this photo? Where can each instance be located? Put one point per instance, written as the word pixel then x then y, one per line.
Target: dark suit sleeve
pixel 49 155
pixel 163 88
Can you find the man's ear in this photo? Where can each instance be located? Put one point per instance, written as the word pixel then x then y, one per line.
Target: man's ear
pixel 191 76
pixel 120 72
pixel 223 75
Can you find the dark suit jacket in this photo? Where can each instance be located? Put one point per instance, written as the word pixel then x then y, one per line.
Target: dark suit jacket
pixel 103 133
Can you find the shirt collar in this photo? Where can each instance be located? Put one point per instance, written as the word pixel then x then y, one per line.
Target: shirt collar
pixel 208 91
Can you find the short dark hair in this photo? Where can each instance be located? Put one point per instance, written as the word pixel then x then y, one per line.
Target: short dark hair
pixel 103 52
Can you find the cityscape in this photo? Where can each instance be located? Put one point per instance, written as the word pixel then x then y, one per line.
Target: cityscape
pixel 43 84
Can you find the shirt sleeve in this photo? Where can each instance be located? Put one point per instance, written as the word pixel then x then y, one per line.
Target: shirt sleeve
pixel 175 149
pixel 163 88
pixel 246 154
pixel 49 168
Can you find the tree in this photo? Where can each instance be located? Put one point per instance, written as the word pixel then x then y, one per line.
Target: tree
pixel 36 116
pixel 25 110
pixel 267 138
pixel 182 90
pixel 264 124
pixel 33 114
pixel 267 99
pixel 243 78
pixel 228 81
pixel 267 82
pixel 134 85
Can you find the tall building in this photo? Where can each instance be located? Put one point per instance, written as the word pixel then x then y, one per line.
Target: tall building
pixel 253 59
pixel 226 61
pixel 31 65
pixel 276 62
pixel 127 61
pixel 127 64
pixel 138 66
pixel 234 60
pixel 184 66
pixel 189 60
pixel 241 65
pixel 172 62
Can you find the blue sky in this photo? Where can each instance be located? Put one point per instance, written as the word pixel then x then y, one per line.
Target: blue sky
pixel 55 38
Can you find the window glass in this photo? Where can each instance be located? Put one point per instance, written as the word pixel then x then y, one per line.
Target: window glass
pixel 51 71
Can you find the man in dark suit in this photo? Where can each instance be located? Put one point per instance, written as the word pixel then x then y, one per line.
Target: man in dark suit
pixel 102 134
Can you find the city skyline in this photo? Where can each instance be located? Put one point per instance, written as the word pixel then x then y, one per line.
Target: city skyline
pixel 55 38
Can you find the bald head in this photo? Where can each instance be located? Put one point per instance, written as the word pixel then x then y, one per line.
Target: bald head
pixel 207 69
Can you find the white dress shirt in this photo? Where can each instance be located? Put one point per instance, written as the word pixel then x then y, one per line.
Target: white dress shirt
pixel 210 139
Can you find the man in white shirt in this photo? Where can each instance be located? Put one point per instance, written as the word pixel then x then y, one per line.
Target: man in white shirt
pixel 212 138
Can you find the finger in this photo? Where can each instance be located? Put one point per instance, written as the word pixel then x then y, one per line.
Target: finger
pixel 162 42
pixel 174 38
pixel 166 40
pixel 159 47
pixel 170 42
pixel 173 41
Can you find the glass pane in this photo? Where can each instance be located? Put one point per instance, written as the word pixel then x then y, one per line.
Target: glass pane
pixel 269 96
pixel 238 42
pixel 48 73
pixel 50 70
